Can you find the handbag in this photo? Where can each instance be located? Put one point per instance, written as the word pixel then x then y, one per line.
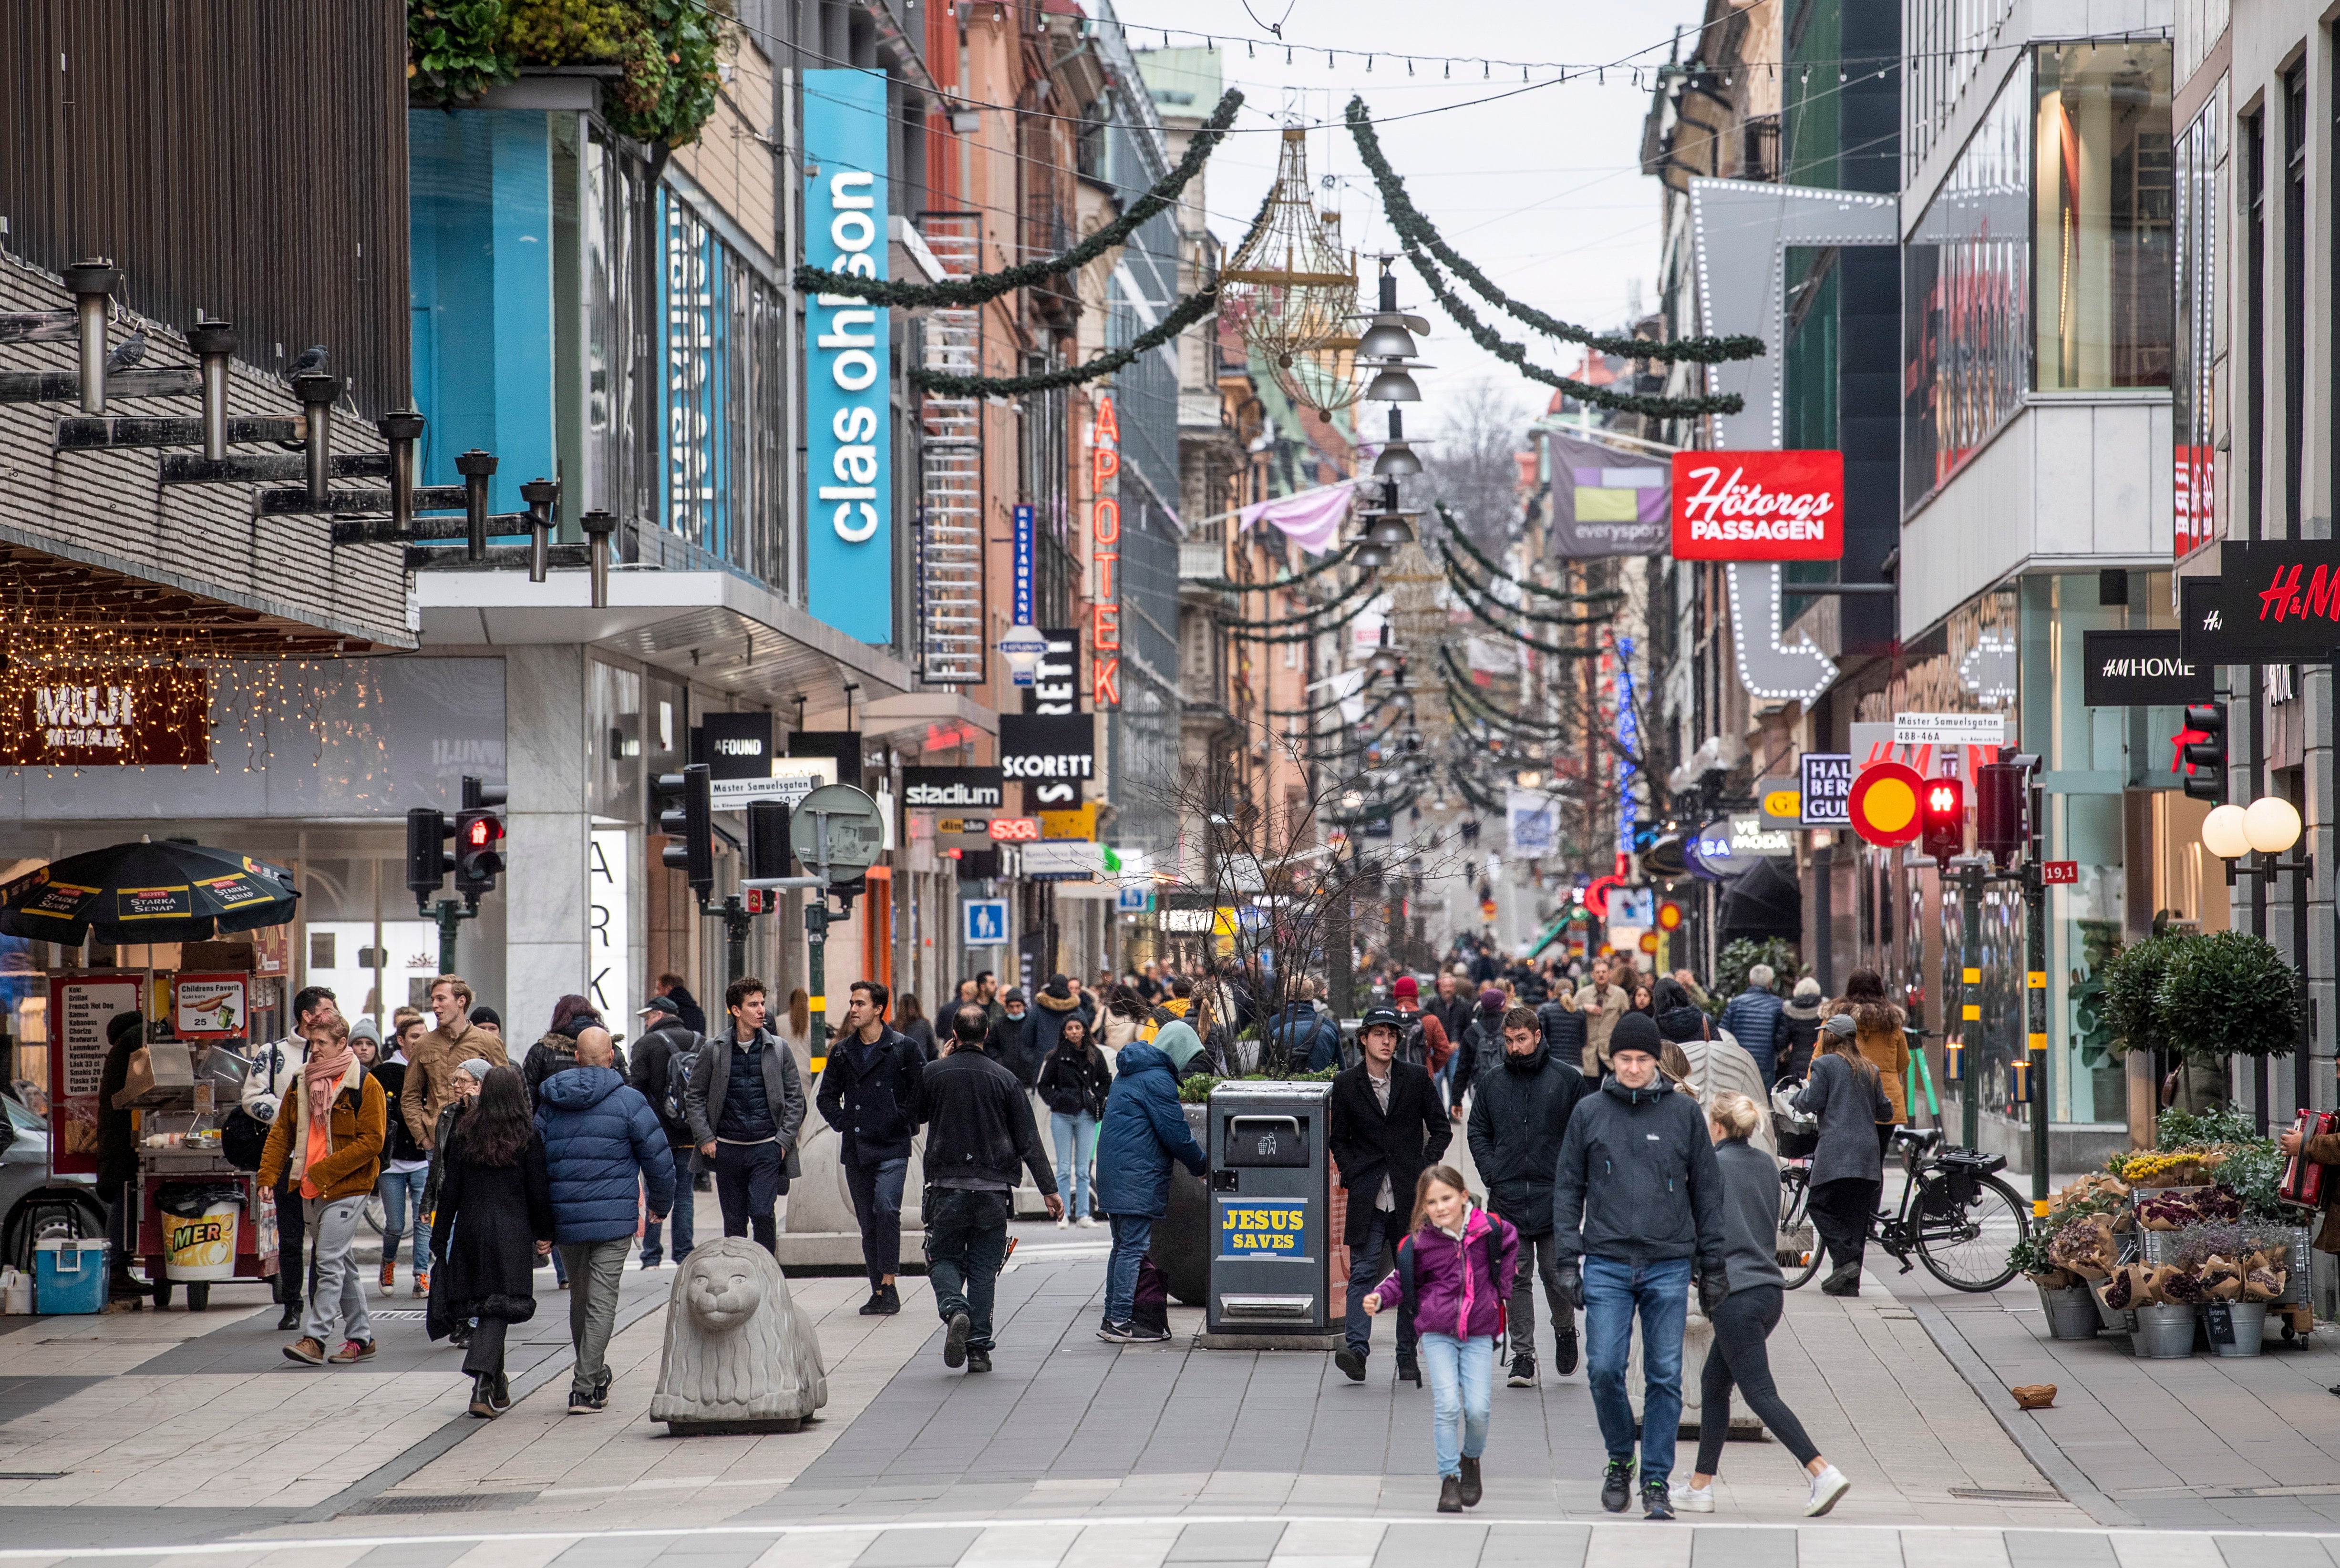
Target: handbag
pixel 2302 1178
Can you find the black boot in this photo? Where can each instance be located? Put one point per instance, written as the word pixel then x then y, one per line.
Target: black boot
pixel 1408 1369
pixel 1473 1490
pixel 1845 1280
pixel 290 1320
pixel 1450 1494
pixel 483 1396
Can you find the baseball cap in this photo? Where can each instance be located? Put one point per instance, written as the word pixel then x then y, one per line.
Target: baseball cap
pixel 660 1004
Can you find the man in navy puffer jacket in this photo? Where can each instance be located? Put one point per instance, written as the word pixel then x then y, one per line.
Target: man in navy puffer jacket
pixel 602 1143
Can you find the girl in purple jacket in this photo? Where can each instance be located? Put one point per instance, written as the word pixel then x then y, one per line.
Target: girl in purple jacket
pixel 1463 1261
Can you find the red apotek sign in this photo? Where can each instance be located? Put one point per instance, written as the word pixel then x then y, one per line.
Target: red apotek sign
pixel 1758 506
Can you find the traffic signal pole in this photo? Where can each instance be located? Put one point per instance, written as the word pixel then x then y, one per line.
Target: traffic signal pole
pixel 2035 990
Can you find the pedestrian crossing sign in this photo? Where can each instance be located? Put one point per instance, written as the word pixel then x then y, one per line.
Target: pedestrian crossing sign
pixel 985 923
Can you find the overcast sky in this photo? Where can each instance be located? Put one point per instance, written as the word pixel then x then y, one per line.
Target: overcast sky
pixel 1541 189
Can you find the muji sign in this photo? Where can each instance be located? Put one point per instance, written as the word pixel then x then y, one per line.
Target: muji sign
pixel 1758 506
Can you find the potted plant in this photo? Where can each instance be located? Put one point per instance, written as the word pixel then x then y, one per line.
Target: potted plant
pixel 2064 1296
pixel 2227 994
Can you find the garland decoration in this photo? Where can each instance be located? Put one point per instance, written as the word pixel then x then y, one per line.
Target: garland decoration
pixel 1363 603
pixel 1455 530
pixel 1417 229
pixel 1468 586
pixel 1235 585
pixel 1189 311
pixel 1327 705
pixel 983 287
pixel 1313 613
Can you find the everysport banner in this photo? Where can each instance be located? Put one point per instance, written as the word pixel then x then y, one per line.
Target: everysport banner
pixel 1606 501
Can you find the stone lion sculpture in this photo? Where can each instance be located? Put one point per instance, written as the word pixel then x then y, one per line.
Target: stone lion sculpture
pixel 738 1357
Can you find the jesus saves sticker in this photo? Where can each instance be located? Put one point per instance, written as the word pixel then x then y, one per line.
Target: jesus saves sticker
pixel 1264 1227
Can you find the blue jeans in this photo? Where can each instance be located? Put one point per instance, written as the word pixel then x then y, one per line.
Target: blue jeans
pixel 1461 1374
pixel 1076 1147
pixel 1132 1235
pixel 402 1189
pixel 653 1252
pixel 1613 1293
pixel 1369 1260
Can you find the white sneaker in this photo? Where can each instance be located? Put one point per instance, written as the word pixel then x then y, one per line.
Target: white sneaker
pixel 1087 1222
pixel 1063 1224
pixel 1829 1488
pixel 1689 1499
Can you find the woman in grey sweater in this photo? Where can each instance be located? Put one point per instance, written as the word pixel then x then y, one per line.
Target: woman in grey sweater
pixel 1847 1170
pixel 1745 1311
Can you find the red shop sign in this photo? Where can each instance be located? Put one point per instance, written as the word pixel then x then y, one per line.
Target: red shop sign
pixel 1758 506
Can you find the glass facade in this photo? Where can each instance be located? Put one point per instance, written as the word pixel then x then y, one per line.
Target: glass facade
pixel 2197 368
pixel 2101 190
pixel 1946 41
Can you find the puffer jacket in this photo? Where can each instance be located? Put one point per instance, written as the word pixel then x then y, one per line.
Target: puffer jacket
pixel 1751 1017
pixel 1452 1292
pixel 353 1139
pixel 603 1142
pixel 1636 1182
pixel 1564 1034
pixel 1143 1130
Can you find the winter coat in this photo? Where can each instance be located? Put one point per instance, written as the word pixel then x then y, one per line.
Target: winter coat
pixel 1143 1130
pixel 673 1044
pixel 1477 1051
pixel 483 1244
pixel 1048 1015
pixel 978 1119
pixel 1793 1038
pixel 552 1052
pixel 869 1094
pixel 1008 1042
pixel 1614 1004
pixel 1452 1292
pixel 1517 1121
pixel 391 1075
pixel 1718 1067
pixel 1751 1017
pixel 1636 1182
pixel 1750 1216
pixel 686 1007
pixel 921 1033
pixel 1309 1039
pixel 1452 1012
pixel 117 1127
pixel 1076 1082
pixel 1849 1113
pixel 710 1081
pixel 602 1144
pixel 1564 1032
pixel 1887 1048
pixel 354 1139
pixel 444 1130
pixel 430 1071
pixel 1369 1145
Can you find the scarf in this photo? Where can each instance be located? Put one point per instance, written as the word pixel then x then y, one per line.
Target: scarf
pixel 321 1073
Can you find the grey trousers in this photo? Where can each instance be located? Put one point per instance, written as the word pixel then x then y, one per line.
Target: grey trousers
pixel 337 1291
pixel 595 1268
pixel 1539 1260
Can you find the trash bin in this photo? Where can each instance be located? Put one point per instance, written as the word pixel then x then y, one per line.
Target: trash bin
pixel 1270 1209
pixel 199 1227
pixel 68 1276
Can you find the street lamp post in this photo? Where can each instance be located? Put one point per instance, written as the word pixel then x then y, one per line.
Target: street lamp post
pixel 2268 827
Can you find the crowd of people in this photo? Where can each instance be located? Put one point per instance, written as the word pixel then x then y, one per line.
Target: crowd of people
pixel 1618 1121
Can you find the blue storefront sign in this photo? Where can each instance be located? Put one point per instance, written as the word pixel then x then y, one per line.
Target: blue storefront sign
pixel 1023 565
pixel 848 536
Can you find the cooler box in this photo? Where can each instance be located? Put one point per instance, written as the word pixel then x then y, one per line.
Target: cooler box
pixel 68 1276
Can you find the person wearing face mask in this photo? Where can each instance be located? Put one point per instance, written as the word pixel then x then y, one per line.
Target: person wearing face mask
pixel 1009 1040
pixel 1636 1201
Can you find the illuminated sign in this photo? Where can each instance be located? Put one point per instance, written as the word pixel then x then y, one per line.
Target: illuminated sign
pixel 1105 549
pixel 1758 506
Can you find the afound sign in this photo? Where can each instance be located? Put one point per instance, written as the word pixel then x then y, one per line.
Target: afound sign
pixel 1883 804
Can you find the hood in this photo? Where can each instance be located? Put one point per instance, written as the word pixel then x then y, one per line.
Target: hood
pixel 1529 1065
pixel 1138 1057
pixel 553 1041
pixel 1681 1024
pixel 1059 1003
pixel 1804 1011
pixel 1179 1043
pixel 580 1088
pixel 1657 1090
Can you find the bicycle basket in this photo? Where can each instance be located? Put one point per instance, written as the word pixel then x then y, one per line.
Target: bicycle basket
pixel 1962 1170
pixel 1794 1145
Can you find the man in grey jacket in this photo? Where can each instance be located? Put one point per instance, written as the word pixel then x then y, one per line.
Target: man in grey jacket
pixel 1636 1200
pixel 747 1105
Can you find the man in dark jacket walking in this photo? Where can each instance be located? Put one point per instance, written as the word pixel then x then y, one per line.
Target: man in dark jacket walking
pixel 602 1145
pixel 979 1132
pixel 1518 1119
pixel 747 1105
pixel 869 1094
pixel 660 1068
pixel 1752 1016
pixel 1481 1045
pixel 1008 1039
pixel 1145 1129
pixel 1383 1125
pixel 1636 1200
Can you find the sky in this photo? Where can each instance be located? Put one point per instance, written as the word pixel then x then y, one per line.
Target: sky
pixel 1543 188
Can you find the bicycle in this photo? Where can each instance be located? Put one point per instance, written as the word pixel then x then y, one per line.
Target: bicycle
pixel 1960 1220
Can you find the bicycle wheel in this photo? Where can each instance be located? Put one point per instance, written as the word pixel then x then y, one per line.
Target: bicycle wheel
pixel 1798 1249
pixel 375 1216
pixel 1968 1248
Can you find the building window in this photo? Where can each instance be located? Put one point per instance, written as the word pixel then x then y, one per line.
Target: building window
pixel 2295 289
pixel 2253 128
pixel 2101 190
pixel 2197 369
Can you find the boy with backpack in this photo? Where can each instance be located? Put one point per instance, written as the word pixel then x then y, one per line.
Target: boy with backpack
pixel 661 1073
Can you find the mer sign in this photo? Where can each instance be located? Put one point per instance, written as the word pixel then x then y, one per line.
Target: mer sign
pixel 848 539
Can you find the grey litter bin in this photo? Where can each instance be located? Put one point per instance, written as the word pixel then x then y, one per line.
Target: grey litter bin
pixel 1271 1211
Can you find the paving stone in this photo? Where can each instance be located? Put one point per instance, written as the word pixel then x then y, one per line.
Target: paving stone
pixel 1229 1543
pixel 916 1549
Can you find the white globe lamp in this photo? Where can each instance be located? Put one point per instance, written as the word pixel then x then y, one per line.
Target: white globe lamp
pixel 2271 824
pixel 2224 833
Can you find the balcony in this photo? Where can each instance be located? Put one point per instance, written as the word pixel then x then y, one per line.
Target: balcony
pixel 1758 149
pixel 1204 559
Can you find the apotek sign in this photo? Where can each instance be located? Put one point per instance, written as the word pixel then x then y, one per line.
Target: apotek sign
pixel 1758 506
pixel 1105 549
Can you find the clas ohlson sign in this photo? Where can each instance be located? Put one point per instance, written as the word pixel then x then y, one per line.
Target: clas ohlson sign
pixel 848 532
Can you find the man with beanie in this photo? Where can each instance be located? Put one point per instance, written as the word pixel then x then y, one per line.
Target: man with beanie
pixel 1518 1119
pixel 1752 1017
pixel 1384 1127
pixel 1423 1037
pixel 1637 1201
pixel 979 1132
pixel 1009 1040
pixel 1145 1129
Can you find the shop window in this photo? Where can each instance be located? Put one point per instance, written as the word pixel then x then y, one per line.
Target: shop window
pixel 2197 368
pixel 614 742
pixel 2101 190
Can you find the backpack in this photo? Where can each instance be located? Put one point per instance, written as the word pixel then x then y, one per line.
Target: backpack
pixel 673 1105
pixel 1494 1278
pixel 1413 1046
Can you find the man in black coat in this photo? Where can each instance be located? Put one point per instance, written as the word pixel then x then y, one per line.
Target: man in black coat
pixel 869 1093
pixel 1384 1127
pixel 979 1134
pixel 1517 1121
pixel 667 1046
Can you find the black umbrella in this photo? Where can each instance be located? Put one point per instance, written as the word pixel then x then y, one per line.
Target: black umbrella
pixel 1764 900
pixel 131 893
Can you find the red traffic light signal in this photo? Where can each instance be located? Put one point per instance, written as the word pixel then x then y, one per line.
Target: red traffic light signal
pixel 484 832
pixel 478 851
pixel 1943 806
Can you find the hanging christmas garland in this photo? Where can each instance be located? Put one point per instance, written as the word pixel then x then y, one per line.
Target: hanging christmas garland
pixel 1474 597
pixel 1363 604
pixel 1189 311
pixel 1454 531
pixel 1487 711
pixel 1417 229
pixel 1313 613
pixel 1463 582
pixel 1236 586
pixel 1325 706
pixel 982 287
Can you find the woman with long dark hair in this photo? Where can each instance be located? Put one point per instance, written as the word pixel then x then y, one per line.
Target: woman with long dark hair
pixel 910 1019
pixel 1848 1168
pixel 1075 1080
pixel 495 1220
pixel 1881 1030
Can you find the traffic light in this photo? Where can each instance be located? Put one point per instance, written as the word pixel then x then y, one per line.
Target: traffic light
pixel 478 839
pixel 1943 808
pixel 2204 747
pixel 768 840
pixel 2002 824
pixel 691 820
pixel 427 864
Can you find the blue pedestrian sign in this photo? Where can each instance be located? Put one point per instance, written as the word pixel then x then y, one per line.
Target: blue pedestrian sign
pixel 984 923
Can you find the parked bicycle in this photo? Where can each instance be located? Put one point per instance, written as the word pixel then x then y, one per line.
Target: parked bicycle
pixel 1960 1220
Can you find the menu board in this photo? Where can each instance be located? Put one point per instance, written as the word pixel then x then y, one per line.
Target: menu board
pixel 81 1006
